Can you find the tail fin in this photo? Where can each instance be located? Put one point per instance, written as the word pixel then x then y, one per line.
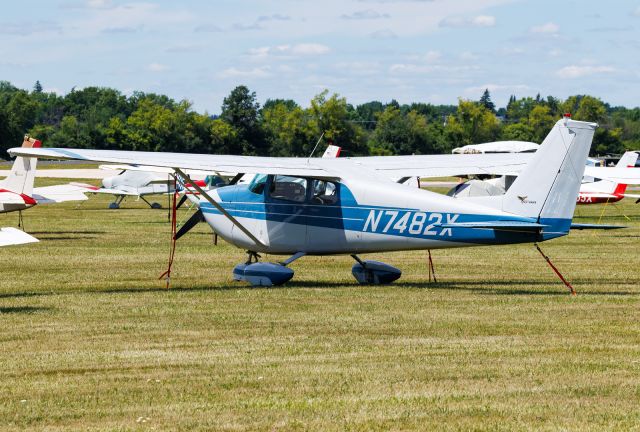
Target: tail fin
pixel 548 186
pixel 628 160
pixel 20 179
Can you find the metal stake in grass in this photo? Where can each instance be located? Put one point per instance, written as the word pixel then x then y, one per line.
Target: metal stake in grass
pixel 432 269
pixel 573 291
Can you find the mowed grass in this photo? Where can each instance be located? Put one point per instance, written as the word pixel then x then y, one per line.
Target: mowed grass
pixel 91 340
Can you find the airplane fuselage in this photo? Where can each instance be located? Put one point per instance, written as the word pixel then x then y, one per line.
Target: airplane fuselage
pixel 11 201
pixel 358 217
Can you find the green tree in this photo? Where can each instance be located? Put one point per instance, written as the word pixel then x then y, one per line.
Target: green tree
pixel 485 101
pixel 334 117
pixel 472 124
pixel 518 132
pixel 540 121
pixel 241 111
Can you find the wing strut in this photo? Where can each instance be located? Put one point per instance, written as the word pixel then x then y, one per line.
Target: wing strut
pixel 219 207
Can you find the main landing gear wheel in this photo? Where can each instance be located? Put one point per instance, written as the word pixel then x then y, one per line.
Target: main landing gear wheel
pixel 374 272
pixel 156 205
pixel 262 273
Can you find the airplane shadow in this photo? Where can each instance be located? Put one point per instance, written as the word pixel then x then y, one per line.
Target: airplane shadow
pixel 65 232
pixel 502 288
pixel 22 309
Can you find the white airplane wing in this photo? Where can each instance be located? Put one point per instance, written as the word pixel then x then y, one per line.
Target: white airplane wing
pixel 234 164
pixel 194 174
pixel 59 193
pixel 13 236
pixel 87 188
pixel 630 176
pixel 426 166
pixel 388 166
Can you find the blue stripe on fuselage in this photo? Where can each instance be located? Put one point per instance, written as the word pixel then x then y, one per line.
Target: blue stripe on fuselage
pixel 348 215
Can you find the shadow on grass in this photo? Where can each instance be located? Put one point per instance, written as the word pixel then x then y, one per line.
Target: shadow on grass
pixel 22 309
pixel 500 288
pixel 65 232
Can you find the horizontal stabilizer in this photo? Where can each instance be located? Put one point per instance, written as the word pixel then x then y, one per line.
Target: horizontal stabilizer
pixel 579 226
pixel 13 236
pixel 497 225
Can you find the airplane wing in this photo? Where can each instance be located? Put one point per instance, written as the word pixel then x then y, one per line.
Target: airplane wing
pixel 58 193
pixel 426 166
pixel 629 176
pixel 95 189
pixel 194 174
pixel 234 164
pixel 13 236
pixel 387 166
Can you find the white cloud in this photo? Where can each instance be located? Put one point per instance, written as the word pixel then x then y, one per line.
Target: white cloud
pixel 383 34
pixel 432 56
pixel 417 69
pixel 232 72
pixel 636 12
pixel 496 88
pixel 310 49
pixel 462 22
pixel 548 28
pixel 468 56
pixel 511 51
pixel 157 67
pixel 99 4
pixel 304 49
pixel 365 15
pixel 575 71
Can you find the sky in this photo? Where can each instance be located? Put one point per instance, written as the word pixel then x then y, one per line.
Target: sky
pixel 432 51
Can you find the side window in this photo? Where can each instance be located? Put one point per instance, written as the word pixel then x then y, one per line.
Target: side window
pixel 257 184
pixel 324 192
pixel 288 188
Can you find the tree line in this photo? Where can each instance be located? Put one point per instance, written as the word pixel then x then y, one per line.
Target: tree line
pixel 104 118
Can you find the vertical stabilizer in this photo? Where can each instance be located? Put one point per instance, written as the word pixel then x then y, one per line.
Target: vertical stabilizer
pixel 20 179
pixel 548 186
pixel 628 160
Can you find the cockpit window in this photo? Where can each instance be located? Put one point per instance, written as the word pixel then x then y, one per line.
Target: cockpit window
pixel 257 184
pixel 324 192
pixel 288 188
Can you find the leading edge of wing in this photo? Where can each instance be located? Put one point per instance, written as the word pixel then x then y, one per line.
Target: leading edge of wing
pixel 227 163
pixel 445 165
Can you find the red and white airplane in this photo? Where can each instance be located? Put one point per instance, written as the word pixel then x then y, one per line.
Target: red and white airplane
pixel 17 193
pixel 602 191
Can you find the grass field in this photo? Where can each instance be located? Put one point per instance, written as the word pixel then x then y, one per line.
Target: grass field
pixel 91 340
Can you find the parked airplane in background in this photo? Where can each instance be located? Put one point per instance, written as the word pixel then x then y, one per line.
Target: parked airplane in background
pixel 596 191
pixel 17 193
pixel 605 191
pixel 141 181
pixel 300 207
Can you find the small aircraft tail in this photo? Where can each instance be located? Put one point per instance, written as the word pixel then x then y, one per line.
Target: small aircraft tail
pixel 547 187
pixel 21 178
pixel 628 160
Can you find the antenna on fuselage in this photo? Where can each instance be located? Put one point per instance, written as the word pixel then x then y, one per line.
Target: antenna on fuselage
pixel 316 146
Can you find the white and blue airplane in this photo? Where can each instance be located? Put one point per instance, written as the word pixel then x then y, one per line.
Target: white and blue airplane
pixel 351 206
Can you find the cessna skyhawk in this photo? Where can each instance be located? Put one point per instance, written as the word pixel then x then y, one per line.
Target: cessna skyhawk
pixel 309 206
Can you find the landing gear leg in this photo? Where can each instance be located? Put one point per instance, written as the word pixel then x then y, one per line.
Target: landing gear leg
pixel 154 205
pixel 557 272
pixel 252 257
pixel 116 204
